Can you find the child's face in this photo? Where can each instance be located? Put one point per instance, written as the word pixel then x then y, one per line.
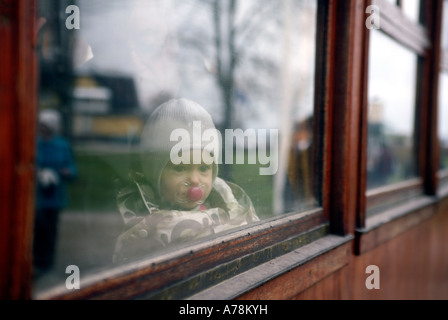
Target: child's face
pixel 177 182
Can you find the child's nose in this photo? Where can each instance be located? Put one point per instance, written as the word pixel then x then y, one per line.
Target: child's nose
pixel 194 178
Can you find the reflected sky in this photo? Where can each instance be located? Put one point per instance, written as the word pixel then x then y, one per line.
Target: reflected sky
pixel 391 83
pixel 391 98
pixel 445 26
pixel 411 8
pixel 170 47
pixel 443 107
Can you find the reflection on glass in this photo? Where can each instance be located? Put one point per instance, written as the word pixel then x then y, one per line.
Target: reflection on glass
pixel 249 64
pixel 443 119
pixel 411 8
pixel 444 40
pixel 55 167
pixel 391 95
pixel 443 93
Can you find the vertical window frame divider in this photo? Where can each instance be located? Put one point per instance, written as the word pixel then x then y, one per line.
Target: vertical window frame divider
pixel 347 100
pixel 361 210
pixel 431 12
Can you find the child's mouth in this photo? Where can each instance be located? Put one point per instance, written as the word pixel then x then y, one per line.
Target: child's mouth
pixel 190 194
pixel 194 194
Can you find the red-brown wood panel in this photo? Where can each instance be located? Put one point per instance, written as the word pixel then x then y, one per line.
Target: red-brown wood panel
pixel 289 285
pixel 17 130
pixel 413 265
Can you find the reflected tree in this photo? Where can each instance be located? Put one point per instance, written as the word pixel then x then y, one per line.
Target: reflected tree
pixel 232 37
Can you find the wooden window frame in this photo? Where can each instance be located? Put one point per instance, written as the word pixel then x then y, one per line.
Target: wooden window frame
pixel 420 193
pixel 320 238
pixel 18 93
pixel 206 263
pixel 329 227
pixel 442 175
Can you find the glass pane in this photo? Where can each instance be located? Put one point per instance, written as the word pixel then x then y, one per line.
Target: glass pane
pixel 245 68
pixel 391 97
pixel 443 94
pixel 444 40
pixel 443 120
pixel 411 8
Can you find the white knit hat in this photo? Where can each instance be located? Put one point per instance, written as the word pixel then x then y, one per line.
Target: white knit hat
pixel 155 140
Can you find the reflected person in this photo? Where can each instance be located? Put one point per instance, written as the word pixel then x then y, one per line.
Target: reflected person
pixel 55 167
pixel 173 203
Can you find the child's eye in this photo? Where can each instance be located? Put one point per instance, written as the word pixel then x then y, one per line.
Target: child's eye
pixel 205 168
pixel 179 168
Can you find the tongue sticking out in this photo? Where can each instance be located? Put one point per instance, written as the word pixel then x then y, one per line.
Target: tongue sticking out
pixel 194 194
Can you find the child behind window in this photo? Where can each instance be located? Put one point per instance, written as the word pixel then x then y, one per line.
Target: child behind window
pixel 179 196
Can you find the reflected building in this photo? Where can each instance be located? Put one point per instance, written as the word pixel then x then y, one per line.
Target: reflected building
pixel 106 109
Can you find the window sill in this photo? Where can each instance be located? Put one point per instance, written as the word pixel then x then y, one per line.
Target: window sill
pixel 384 226
pixel 190 270
pixel 241 285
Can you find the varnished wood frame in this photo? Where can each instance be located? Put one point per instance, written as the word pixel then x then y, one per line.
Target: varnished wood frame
pixel 348 86
pixel 187 271
pixel 17 131
pixel 442 175
pixel 419 40
pixel 342 194
pixel 302 269
pixel 373 230
pixel 413 36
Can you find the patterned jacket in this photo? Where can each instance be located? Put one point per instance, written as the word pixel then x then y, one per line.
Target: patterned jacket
pixel 149 229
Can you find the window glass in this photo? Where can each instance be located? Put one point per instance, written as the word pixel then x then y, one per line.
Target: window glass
pixel 443 119
pixel 443 93
pixel 134 89
pixel 391 98
pixel 444 40
pixel 411 8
